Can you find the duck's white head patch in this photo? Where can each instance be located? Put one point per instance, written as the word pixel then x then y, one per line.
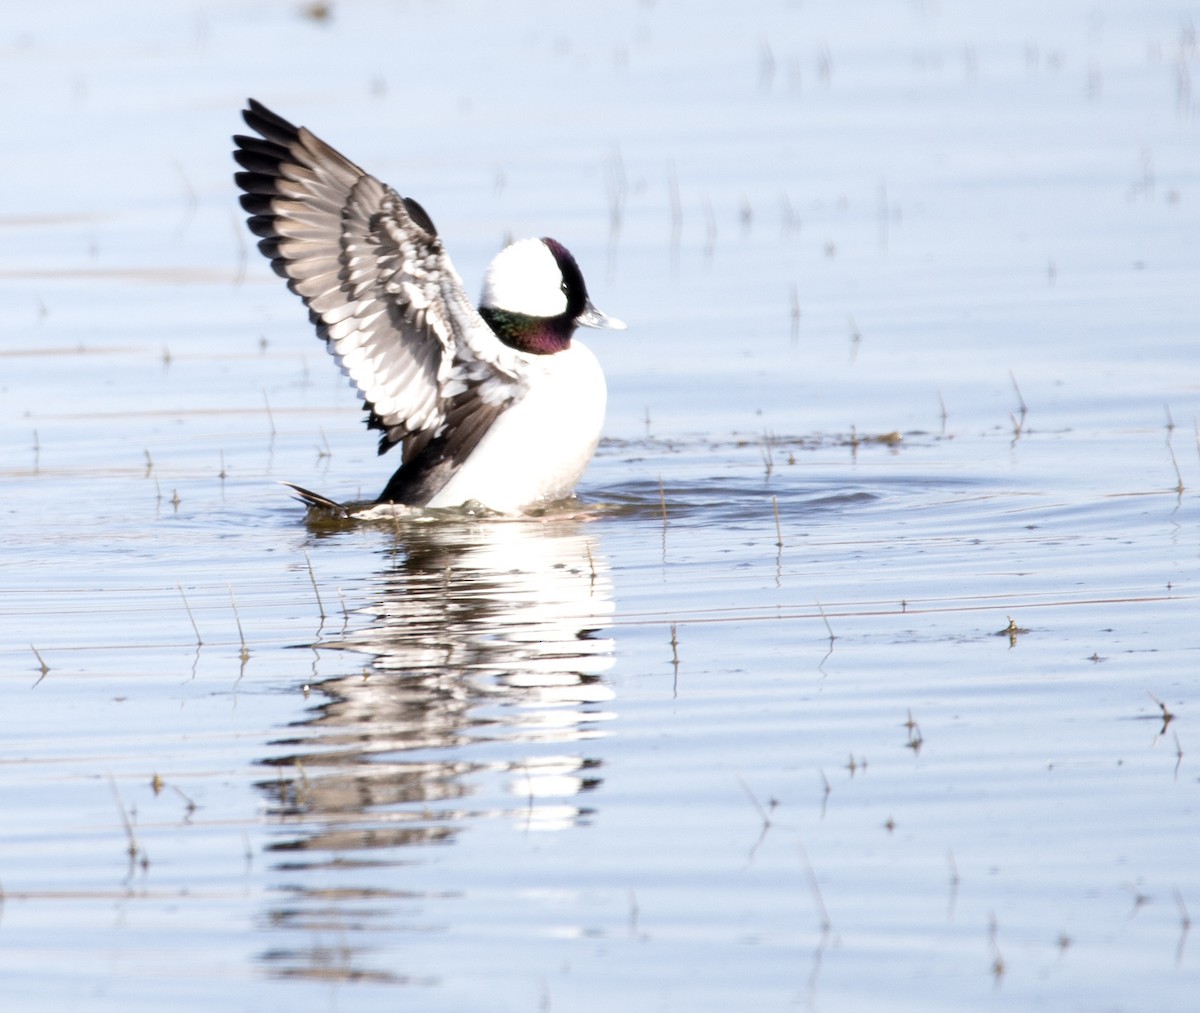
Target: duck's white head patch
pixel 525 278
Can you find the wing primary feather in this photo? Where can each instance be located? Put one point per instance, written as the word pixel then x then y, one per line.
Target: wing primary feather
pixel 381 293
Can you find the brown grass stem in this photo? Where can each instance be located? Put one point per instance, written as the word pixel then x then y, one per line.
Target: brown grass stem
pixel 195 628
pixel 245 655
pixel 316 590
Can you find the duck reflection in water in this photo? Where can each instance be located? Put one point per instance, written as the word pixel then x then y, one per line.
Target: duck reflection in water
pixel 481 690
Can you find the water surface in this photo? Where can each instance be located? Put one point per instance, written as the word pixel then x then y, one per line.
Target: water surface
pixel 860 675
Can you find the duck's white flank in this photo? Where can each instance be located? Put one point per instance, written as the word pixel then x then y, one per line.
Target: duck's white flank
pixel 540 447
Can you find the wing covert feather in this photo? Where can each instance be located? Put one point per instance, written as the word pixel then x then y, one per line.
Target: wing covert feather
pixel 378 283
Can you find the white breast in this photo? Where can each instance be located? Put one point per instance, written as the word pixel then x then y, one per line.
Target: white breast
pixel 538 449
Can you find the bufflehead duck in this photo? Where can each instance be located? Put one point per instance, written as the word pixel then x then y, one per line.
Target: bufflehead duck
pixel 495 405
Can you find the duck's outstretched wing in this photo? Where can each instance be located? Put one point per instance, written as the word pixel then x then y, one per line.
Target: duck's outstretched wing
pixel 379 286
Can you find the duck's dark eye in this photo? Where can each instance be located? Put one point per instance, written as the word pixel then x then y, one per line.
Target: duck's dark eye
pixel 563 287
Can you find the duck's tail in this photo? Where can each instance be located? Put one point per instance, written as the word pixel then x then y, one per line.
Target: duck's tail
pixel 315 501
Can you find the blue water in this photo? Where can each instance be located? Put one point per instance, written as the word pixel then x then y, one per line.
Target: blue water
pixel 859 678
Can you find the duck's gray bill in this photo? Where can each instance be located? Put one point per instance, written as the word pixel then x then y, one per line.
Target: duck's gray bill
pixel 592 317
